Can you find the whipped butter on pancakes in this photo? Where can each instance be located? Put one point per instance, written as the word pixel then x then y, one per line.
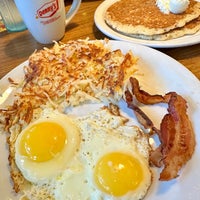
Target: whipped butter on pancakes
pixel 143 19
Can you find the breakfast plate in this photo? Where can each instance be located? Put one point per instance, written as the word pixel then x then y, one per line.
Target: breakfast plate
pixel 107 30
pixel 158 73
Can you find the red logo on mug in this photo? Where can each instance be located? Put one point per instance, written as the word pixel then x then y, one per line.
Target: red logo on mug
pixel 48 9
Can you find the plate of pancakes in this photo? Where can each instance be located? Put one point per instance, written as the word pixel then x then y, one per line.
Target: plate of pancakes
pixel 65 124
pixel 143 23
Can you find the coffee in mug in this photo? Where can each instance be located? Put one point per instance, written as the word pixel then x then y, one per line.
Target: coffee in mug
pixel 46 19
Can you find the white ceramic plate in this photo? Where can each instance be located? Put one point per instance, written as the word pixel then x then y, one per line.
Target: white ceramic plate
pixel 158 73
pixel 103 27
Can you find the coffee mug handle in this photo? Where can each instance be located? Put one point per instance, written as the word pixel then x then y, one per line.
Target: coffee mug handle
pixel 72 11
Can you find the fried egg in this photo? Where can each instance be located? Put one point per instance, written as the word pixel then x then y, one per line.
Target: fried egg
pixel 45 147
pixel 110 160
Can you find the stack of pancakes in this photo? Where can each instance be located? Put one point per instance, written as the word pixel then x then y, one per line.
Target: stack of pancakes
pixel 143 19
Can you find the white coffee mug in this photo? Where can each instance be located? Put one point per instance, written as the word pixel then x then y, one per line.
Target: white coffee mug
pixel 46 19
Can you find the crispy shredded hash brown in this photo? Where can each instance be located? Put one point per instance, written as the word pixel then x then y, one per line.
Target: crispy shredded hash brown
pixel 68 75
pixel 63 76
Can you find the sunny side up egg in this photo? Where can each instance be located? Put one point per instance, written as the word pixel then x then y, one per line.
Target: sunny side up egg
pixel 108 161
pixel 45 147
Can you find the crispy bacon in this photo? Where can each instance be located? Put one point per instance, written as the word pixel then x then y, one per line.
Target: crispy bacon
pixel 143 119
pixel 144 97
pixel 177 140
pixel 177 137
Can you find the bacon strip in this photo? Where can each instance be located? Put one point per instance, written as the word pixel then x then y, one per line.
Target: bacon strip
pixel 144 97
pixel 142 118
pixel 176 134
pixel 177 137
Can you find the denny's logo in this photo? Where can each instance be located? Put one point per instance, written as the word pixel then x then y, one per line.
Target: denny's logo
pixel 48 9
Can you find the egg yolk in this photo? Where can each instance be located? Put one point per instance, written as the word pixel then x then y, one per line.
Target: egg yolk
pixel 118 173
pixel 42 141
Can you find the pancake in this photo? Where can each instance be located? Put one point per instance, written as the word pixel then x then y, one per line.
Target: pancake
pixel 190 28
pixel 144 17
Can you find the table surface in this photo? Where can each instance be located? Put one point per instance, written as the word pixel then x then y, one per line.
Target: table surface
pixel 17 47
